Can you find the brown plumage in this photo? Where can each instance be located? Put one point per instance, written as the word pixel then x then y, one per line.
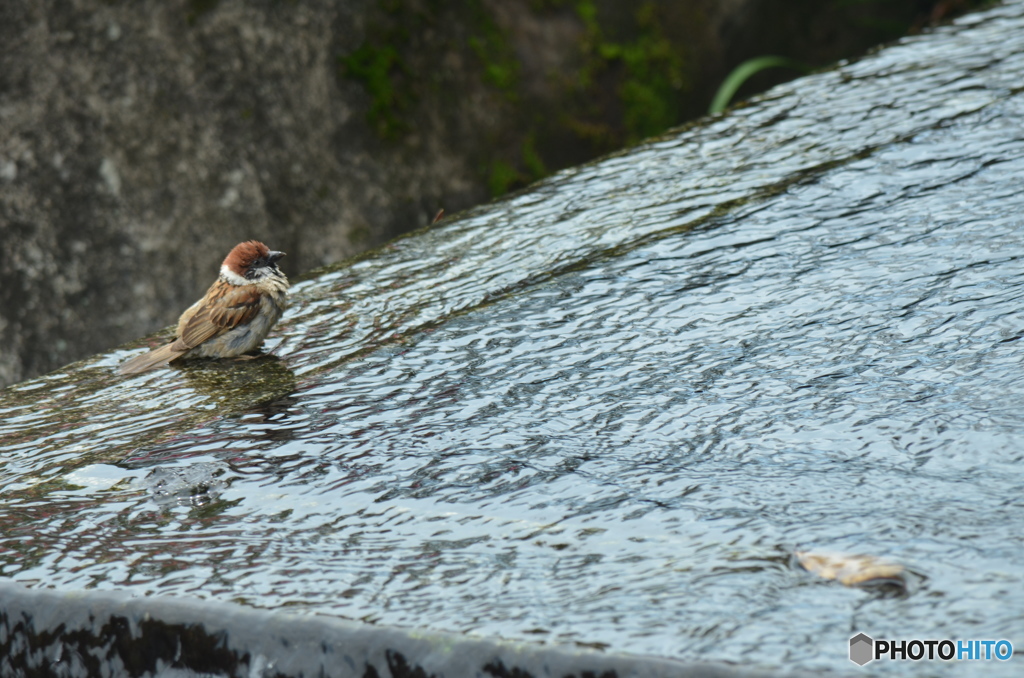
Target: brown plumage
pixel 233 317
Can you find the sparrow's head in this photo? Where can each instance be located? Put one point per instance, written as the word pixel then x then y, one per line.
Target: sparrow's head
pixel 250 262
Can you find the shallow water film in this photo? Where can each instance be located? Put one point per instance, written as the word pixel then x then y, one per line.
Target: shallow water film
pixel 607 412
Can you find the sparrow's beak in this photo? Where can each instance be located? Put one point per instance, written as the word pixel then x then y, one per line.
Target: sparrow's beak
pixel 273 257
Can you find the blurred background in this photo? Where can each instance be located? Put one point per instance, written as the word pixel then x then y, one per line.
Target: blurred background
pixel 139 141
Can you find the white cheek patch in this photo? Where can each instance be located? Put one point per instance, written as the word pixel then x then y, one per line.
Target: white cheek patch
pixel 232 277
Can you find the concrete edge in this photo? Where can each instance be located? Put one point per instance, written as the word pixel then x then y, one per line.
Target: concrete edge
pixel 110 633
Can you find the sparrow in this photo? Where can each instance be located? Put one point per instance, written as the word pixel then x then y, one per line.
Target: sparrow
pixel 233 317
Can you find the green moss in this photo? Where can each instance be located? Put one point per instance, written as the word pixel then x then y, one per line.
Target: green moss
pixel 587 11
pixel 531 158
pixel 650 80
pixel 491 48
pixel 502 177
pixel 401 60
pixel 628 88
pixel 375 67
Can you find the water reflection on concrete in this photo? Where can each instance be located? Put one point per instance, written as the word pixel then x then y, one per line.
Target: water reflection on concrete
pixel 607 411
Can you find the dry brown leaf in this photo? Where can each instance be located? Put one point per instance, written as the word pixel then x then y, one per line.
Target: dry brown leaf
pixel 852 569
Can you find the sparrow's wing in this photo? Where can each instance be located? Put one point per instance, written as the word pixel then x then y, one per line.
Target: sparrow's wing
pixel 227 306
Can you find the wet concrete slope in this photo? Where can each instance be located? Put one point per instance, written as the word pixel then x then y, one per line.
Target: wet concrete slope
pixel 605 412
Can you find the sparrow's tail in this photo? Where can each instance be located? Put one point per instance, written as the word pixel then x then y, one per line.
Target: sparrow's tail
pixel 147 361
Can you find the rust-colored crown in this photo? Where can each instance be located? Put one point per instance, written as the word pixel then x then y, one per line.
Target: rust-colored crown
pixel 244 254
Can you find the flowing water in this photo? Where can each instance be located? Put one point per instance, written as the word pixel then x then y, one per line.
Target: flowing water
pixel 606 411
